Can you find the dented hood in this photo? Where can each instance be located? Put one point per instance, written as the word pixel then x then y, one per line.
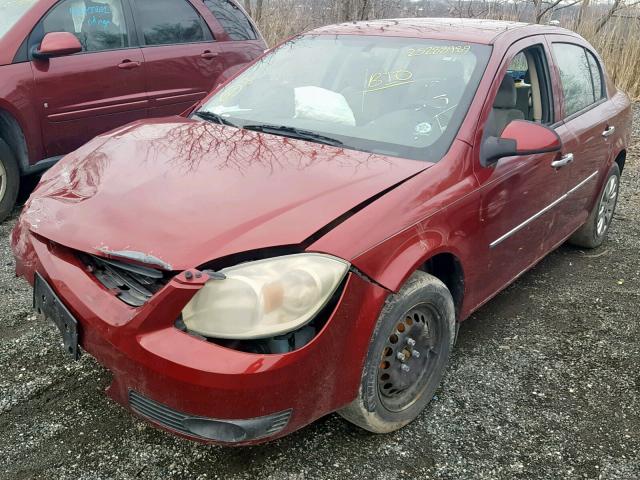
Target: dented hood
pixel 180 192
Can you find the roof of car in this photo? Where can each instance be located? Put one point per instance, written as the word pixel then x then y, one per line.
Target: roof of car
pixel 461 29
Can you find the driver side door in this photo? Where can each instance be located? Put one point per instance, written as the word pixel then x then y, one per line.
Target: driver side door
pixel 519 194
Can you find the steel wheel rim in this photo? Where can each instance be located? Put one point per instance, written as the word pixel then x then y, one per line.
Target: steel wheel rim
pixel 402 374
pixel 607 206
pixel 3 180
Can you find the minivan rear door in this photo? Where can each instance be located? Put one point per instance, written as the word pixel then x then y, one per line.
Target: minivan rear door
pixel 182 58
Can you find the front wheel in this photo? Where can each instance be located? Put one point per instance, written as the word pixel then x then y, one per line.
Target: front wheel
pixel 9 180
pixel 407 356
pixel 594 231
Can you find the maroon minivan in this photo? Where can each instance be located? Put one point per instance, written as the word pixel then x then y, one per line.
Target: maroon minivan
pixel 73 69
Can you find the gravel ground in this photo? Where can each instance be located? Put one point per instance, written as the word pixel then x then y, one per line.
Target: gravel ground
pixel 545 383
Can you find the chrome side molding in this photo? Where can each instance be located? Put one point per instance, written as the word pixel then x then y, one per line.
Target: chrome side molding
pixel 515 230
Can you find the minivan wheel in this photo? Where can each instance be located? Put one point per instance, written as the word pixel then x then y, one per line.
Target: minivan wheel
pixel 407 356
pixel 594 231
pixel 9 180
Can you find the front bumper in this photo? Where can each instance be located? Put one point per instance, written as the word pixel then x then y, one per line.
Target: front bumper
pixel 192 387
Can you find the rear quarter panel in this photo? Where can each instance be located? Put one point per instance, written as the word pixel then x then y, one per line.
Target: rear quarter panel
pixel 621 115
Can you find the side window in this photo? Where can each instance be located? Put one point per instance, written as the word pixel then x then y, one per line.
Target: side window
pixel 235 23
pixel 524 92
pixel 596 75
pixel 166 22
pixel 98 25
pixel 575 76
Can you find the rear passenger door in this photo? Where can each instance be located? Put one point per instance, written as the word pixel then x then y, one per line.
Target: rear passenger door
pixel 182 58
pixel 585 114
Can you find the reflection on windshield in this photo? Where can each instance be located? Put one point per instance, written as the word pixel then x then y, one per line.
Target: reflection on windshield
pixel 11 12
pixel 404 97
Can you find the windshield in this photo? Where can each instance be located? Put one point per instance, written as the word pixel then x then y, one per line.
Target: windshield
pixel 403 97
pixel 12 10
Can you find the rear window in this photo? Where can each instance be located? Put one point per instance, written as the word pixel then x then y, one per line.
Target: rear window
pixel 232 19
pixel 11 11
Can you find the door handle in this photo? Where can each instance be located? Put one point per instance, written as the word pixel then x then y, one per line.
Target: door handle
pixel 128 65
pixel 609 131
pixel 563 162
pixel 208 54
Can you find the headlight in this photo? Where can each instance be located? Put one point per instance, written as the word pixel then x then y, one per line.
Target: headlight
pixel 265 298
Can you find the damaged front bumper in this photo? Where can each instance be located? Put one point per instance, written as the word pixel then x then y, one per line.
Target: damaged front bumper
pixel 193 387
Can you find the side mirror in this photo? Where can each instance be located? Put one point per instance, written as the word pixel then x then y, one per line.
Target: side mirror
pixel 57 44
pixel 520 137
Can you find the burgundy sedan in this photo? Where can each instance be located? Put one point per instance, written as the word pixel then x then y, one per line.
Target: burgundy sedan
pixel 308 239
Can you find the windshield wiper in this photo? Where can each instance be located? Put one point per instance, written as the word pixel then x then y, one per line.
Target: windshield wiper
pixel 214 117
pixel 295 133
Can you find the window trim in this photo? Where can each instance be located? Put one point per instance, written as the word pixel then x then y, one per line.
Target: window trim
pixel 545 84
pixel 128 21
pixel 140 32
pixel 591 106
pixel 603 88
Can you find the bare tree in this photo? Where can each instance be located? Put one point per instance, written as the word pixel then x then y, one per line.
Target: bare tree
pixel 613 10
pixel 544 7
pixel 582 14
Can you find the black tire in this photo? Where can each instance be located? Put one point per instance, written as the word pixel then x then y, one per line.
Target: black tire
pixel 9 180
pixel 593 232
pixel 389 397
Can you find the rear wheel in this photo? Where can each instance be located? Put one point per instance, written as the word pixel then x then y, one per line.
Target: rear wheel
pixel 9 180
pixel 594 231
pixel 407 357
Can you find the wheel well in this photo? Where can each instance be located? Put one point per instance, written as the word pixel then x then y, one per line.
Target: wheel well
pixel 447 268
pixel 13 136
pixel 620 159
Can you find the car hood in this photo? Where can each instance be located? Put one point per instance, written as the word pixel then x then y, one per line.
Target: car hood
pixel 180 193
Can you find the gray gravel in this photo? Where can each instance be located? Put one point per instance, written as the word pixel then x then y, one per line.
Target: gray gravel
pixel 545 383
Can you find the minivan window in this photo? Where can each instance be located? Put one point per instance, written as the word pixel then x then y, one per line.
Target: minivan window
pixel 575 75
pixel 235 23
pixel 404 97
pixel 98 25
pixel 12 11
pixel 166 22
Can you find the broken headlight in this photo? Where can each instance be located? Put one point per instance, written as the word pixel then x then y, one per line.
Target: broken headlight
pixel 265 298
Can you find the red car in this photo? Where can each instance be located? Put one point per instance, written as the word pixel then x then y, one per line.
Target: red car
pixel 308 239
pixel 73 69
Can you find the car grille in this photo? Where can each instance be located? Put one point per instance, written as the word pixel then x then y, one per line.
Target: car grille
pixel 133 284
